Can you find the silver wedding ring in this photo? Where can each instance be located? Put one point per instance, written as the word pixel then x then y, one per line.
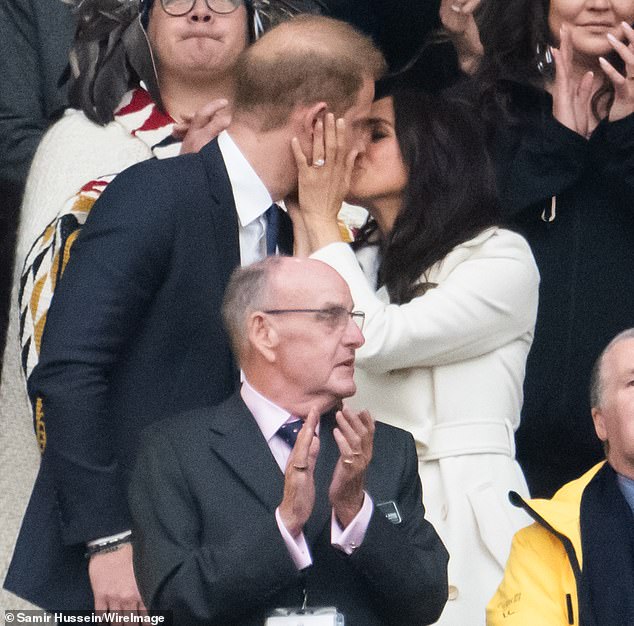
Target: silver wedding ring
pixel 319 163
pixel 348 461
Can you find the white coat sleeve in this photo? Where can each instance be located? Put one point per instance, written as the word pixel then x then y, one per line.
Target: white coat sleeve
pixel 485 301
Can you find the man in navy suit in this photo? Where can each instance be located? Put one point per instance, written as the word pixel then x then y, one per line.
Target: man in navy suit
pixel 259 503
pixel 134 331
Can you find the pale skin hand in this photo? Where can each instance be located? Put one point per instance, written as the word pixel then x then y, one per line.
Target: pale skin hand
pixel 321 189
pixel 206 124
pixel 355 438
pixel 113 583
pixel 623 104
pixel 299 484
pixel 571 97
pixel 458 21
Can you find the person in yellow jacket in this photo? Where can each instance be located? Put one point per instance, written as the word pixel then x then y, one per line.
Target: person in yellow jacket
pixel 575 563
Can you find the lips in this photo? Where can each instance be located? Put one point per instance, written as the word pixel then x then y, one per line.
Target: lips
pixel 199 36
pixel 598 25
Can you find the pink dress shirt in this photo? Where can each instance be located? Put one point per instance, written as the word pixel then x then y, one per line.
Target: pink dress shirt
pixel 269 418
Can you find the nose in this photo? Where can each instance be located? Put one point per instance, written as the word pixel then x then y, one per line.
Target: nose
pixel 599 5
pixel 353 336
pixel 201 12
pixel 363 139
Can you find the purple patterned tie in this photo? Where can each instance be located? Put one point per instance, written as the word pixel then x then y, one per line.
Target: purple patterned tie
pixel 289 431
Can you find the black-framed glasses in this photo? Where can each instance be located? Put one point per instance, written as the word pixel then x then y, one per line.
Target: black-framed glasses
pixel 334 316
pixel 177 8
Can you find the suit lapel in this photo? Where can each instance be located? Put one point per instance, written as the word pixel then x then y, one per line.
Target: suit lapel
pixel 326 461
pixel 223 209
pixel 225 219
pixel 238 441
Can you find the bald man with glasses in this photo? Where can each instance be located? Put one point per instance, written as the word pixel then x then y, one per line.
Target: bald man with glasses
pixel 279 497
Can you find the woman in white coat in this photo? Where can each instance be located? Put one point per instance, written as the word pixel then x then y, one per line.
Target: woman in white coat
pixel 449 329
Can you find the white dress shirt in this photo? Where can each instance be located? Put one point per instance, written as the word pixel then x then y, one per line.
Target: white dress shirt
pixel 251 198
pixel 269 417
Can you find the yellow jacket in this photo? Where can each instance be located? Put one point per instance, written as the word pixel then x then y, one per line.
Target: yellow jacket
pixel 539 587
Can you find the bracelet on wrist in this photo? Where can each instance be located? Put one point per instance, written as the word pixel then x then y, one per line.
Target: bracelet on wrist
pixel 107 546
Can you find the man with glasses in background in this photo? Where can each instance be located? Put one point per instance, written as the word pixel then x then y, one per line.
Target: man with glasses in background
pixel 279 497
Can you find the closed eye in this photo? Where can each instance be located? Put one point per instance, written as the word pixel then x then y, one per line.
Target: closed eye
pixel 377 136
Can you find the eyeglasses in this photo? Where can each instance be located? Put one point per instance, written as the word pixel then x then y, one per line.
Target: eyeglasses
pixel 334 316
pixel 176 8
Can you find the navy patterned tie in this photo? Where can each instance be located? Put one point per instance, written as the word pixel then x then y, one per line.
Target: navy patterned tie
pixel 272 228
pixel 289 431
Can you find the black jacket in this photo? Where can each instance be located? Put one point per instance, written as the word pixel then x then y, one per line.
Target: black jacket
pixel 585 255
pixel 203 497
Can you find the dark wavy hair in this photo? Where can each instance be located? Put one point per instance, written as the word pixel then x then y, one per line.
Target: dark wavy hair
pixel 511 32
pixel 451 193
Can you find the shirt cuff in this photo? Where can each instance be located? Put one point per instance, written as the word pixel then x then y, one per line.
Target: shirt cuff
pixel 109 539
pixel 349 539
pixel 297 547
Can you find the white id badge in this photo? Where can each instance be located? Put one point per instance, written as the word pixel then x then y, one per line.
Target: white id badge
pixel 318 616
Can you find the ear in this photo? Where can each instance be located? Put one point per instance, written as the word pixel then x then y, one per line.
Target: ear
pixel 599 424
pixel 304 120
pixel 312 114
pixel 263 337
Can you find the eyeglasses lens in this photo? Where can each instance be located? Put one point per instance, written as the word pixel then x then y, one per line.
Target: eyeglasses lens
pixel 177 8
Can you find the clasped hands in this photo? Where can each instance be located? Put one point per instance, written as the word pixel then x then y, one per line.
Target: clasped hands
pixel 354 436
pixel 572 96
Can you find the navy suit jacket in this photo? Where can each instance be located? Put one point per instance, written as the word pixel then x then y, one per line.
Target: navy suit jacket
pixel 134 334
pixel 203 497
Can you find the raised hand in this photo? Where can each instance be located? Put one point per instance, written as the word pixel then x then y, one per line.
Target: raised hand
pixel 113 583
pixel 571 97
pixel 299 482
pixel 323 183
pixel 623 103
pixel 355 439
pixel 206 124
pixel 458 21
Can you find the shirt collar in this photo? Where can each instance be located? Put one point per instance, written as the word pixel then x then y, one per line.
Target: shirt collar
pixel 251 197
pixel 627 489
pixel 268 416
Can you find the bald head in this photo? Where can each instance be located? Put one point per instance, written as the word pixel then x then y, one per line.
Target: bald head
pixel 291 325
pixel 598 377
pixel 295 338
pixel 265 285
pixel 305 60
pixel 300 279
pixel 613 404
